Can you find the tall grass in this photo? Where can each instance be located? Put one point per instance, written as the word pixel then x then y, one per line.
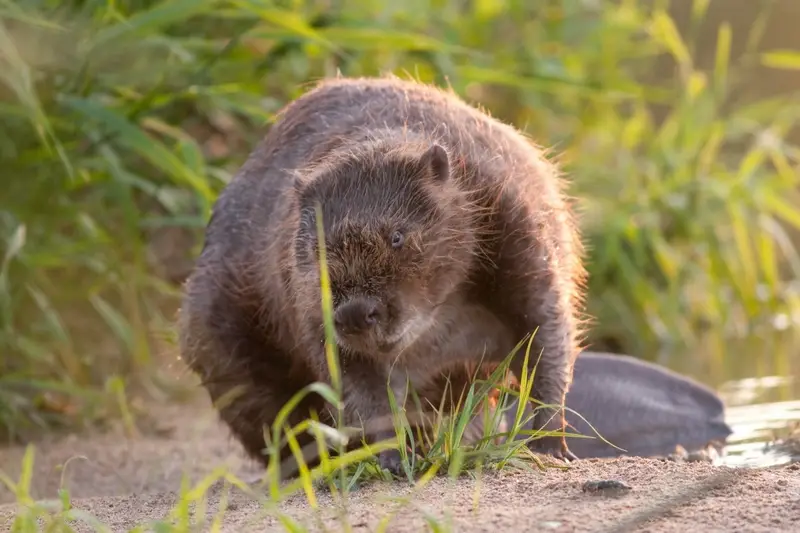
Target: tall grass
pixel 121 121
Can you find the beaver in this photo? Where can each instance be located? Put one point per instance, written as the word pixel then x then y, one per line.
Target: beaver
pixel 448 236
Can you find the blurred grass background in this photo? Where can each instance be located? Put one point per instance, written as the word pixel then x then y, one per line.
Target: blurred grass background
pixel 121 120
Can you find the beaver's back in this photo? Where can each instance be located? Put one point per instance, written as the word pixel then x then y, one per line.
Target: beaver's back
pixel 344 110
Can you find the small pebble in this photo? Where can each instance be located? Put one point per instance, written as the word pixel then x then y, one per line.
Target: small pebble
pixel 606 486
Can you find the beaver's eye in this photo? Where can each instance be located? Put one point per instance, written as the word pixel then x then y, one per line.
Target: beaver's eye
pixel 398 239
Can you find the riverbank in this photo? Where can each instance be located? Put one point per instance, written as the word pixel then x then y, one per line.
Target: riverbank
pixel 125 481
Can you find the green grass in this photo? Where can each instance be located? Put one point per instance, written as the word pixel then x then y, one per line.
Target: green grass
pixel 121 121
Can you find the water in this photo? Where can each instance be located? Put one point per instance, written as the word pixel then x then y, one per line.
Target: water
pixel 756 421
pixel 758 378
pixel 754 427
pixel 759 382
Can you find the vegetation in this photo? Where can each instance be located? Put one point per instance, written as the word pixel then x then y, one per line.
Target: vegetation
pixel 121 121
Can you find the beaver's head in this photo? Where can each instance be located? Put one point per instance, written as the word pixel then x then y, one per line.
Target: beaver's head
pixel 398 237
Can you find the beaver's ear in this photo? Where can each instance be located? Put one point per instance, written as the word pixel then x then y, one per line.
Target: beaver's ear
pixel 436 160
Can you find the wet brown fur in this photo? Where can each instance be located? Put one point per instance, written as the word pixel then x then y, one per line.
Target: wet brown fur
pixel 494 246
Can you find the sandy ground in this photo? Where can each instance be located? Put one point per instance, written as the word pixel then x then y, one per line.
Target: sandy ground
pixel 126 481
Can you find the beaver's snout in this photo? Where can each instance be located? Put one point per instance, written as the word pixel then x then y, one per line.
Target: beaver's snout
pixel 358 315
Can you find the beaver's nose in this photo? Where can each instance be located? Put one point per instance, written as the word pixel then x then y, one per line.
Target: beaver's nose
pixel 357 315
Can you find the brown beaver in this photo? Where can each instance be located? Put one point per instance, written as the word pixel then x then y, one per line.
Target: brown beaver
pixel 448 239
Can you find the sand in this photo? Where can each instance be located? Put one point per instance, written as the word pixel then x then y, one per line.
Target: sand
pixel 124 481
